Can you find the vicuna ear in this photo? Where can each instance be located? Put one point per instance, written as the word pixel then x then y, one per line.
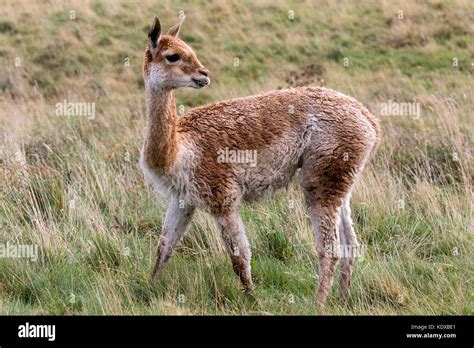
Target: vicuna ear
pixel 153 35
pixel 174 30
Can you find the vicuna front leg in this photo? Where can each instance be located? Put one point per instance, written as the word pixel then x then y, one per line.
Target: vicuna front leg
pixel 177 219
pixel 236 243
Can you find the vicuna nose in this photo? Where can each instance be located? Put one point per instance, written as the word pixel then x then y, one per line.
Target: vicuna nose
pixel 205 72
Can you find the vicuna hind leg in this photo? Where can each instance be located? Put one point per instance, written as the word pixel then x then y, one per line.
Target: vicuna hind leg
pixel 349 247
pixel 325 219
pixel 236 243
pixel 177 219
pixel 326 181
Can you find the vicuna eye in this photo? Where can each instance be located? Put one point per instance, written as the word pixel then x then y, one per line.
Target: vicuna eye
pixel 173 58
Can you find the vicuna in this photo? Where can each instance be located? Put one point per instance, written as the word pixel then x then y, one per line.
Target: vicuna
pixel 325 134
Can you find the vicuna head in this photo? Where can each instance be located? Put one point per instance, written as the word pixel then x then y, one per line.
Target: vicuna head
pixel 170 63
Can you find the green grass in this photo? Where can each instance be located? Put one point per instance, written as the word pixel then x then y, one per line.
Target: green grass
pixel 72 186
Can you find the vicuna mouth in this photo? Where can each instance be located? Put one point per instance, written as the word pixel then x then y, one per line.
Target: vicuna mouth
pixel 200 83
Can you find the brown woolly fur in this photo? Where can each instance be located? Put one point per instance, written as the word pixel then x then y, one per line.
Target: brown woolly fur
pixel 195 158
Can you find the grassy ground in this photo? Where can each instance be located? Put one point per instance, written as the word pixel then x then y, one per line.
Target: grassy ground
pixel 71 185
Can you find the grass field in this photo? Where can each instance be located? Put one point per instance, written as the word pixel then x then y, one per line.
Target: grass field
pixel 71 185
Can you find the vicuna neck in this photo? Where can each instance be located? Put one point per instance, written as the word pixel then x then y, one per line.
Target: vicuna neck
pixel 160 147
